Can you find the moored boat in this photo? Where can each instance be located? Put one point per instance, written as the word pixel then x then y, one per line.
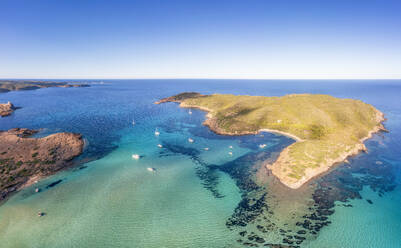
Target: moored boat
pixel 151 169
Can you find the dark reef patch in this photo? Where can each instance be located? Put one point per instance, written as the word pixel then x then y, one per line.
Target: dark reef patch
pixel 253 218
pixel 208 174
pixel 51 185
pixel 341 184
pixel 252 207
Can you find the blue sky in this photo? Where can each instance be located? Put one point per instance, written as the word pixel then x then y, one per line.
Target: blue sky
pixel 200 39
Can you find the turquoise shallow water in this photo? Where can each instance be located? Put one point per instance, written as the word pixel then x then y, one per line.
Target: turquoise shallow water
pixel 196 198
pixel 364 225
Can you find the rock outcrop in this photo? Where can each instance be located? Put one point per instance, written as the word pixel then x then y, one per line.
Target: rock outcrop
pixel 24 159
pixel 6 109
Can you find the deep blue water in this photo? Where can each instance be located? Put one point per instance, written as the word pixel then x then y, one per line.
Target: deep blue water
pixel 197 198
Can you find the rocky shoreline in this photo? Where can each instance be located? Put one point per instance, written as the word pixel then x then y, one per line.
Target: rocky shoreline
pixel 6 109
pixel 23 159
pixel 323 167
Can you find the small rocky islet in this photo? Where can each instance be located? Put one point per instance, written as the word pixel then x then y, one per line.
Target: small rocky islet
pixel 6 109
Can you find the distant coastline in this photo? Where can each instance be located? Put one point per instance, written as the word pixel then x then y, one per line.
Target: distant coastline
pixel 16 85
pixel 24 160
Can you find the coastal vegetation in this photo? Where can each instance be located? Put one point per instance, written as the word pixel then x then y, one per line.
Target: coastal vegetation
pixel 24 159
pixel 326 129
pixel 13 85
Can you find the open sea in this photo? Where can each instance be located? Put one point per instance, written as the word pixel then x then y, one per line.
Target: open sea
pixel 197 197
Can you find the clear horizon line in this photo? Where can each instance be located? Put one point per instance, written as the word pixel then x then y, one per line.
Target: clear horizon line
pixel 191 78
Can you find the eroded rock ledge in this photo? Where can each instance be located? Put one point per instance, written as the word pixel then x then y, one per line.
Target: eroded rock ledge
pixel 24 159
pixel 6 109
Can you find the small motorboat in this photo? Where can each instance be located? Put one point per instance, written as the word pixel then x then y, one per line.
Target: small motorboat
pixel 206 148
pixel 160 146
pixel 157 133
pixel 190 112
pixel 230 153
pixel 37 190
pixel 135 156
pixel 262 145
pixel 151 169
pixel 231 147
pixel 190 140
pixel 40 214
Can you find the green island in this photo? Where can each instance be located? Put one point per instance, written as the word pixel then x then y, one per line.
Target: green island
pixel 326 129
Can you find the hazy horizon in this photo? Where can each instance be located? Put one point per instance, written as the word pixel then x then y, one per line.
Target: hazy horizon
pixel 256 79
